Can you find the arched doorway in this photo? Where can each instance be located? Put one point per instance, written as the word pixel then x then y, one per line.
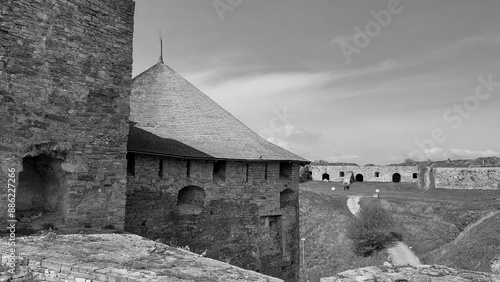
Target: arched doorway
pixel 41 189
pixel 396 177
pixel 325 176
pixel 359 177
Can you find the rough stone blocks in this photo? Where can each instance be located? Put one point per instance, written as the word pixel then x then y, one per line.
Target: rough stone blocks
pixel 65 81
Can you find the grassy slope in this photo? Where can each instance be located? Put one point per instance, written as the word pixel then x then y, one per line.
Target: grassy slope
pixel 428 225
pixel 428 221
pixel 474 249
pixel 327 250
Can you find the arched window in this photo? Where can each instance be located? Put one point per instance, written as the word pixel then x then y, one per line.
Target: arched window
pixel 341 174
pixel 377 174
pixel 191 200
pixel 287 198
pixel 415 175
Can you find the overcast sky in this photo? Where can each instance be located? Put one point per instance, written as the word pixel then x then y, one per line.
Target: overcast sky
pixel 341 80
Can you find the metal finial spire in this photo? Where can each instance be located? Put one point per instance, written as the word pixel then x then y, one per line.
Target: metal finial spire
pixel 161 49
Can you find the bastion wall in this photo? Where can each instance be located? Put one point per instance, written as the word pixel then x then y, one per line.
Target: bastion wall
pixel 487 178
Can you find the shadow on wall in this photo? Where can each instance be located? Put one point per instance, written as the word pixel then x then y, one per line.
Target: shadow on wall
pixel 42 193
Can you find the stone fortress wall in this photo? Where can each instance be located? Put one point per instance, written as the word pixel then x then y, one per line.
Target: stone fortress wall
pixel 487 178
pixel 365 173
pixel 242 213
pixel 427 177
pixel 65 82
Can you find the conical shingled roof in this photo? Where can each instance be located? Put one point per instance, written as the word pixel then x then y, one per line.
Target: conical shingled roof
pixel 172 117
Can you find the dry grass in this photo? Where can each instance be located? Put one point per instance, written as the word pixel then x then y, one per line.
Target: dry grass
pixel 323 221
pixel 474 249
pixel 428 220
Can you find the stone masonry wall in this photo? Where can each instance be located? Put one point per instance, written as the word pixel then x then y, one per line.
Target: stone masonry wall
pixel 467 178
pixel 246 217
pixel 420 273
pixel 369 172
pixel 65 79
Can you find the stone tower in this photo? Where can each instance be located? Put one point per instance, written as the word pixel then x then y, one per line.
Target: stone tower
pixel 199 177
pixel 65 81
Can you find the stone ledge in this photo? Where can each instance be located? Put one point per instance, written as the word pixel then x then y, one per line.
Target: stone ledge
pixel 53 269
pixel 421 273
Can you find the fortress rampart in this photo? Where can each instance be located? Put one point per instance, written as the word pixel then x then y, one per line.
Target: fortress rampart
pixel 427 177
pixel 365 173
pixel 461 178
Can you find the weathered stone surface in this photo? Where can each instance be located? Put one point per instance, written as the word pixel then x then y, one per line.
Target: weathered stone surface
pixel 465 178
pixel 65 78
pixel 250 219
pixel 421 273
pixel 115 257
pixel 495 265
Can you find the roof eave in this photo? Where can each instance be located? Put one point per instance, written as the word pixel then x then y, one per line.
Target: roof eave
pixel 131 150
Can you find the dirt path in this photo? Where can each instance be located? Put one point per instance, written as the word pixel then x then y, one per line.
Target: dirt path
pixel 353 204
pixel 400 253
pixel 474 225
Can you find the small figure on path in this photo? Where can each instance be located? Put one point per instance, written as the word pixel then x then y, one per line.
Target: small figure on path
pixel 347 181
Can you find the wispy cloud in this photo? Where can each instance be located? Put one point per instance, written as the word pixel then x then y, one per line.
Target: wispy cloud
pixel 339 157
pixel 344 38
pixel 444 52
pixel 256 85
pixel 434 154
pixel 292 137
pixel 282 143
pixel 343 158
pixel 300 134
pixel 464 153
pixel 438 153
